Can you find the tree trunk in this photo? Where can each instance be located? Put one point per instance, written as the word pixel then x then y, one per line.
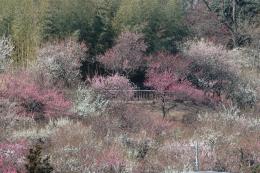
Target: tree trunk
pixel 234 11
pixel 163 105
pixel 234 33
pixel 232 27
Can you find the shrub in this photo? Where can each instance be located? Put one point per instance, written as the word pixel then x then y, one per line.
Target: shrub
pixel 217 70
pixel 244 96
pixel 112 160
pixel 32 99
pixel 176 152
pixel 113 87
pixel 210 62
pixel 59 63
pixel 35 162
pixel 88 102
pixel 170 87
pixel 74 148
pixel 256 168
pixel 12 156
pixel 127 55
pixel 6 49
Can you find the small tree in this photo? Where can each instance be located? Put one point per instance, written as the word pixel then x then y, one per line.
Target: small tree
pixel 32 98
pixel 6 49
pixel 216 70
pixel 89 102
pixel 169 86
pixel 127 55
pixel 59 63
pixel 113 87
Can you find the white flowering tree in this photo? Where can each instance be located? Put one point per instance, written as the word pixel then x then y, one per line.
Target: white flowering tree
pixel 59 63
pixel 6 49
pixel 87 102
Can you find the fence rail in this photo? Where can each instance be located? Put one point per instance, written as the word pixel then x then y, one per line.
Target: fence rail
pixel 140 95
pixel 146 95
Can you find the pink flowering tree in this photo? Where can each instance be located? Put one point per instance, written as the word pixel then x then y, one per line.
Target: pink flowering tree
pixel 170 86
pixel 59 63
pixel 127 55
pixel 12 156
pixel 113 87
pixel 32 99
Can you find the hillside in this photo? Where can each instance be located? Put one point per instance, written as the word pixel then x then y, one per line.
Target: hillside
pixel 129 86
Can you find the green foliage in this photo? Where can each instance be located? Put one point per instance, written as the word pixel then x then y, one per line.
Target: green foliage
pixel 64 17
pixel 96 22
pixel 22 20
pixel 256 168
pixel 6 16
pixel 160 21
pixel 89 19
pixel 245 9
pixel 100 35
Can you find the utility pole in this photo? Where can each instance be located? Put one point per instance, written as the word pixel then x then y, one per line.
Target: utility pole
pixel 197 156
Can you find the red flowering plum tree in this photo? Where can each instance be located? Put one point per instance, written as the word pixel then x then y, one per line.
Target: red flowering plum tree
pixel 113 87
pixel 127 55
pixel 32 99
pixel 171 88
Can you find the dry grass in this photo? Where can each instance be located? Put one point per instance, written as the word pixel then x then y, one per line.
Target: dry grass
pixel 136 138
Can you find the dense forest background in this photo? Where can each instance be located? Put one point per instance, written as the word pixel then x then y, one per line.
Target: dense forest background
pixel 164 23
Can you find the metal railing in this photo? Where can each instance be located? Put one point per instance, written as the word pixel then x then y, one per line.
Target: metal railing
pixel 145 95
pixel 141 95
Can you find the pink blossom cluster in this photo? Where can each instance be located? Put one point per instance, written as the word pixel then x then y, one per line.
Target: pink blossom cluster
pixel 111 158
pixel 12 156
pixel 21 89
pixel 167 82
pixel 111 87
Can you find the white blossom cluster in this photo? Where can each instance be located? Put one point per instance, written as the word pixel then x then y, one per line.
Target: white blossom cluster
pixel 87 102
pixel 6 49
pixel 60 62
